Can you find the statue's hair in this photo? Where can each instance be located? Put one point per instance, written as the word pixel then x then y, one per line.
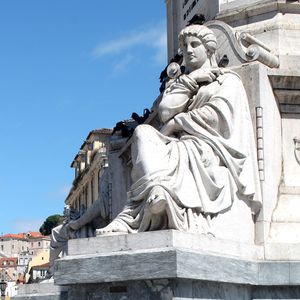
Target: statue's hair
pixel 206 36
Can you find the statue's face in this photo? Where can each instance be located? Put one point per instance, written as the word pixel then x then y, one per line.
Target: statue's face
pixel 194 53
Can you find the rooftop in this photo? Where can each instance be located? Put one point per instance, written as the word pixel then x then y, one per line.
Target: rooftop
pixel 13 236
pixel 45 266
pixel 8 262
pixel 23 236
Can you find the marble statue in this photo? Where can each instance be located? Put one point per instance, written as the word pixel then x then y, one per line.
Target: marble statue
pixel 202 162
pixel 96 215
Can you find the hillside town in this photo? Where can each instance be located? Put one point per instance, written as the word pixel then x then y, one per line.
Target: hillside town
pixel 24 258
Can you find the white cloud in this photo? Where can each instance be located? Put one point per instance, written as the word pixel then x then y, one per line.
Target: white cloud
pixel 153 38
pixel 161 47
pixel 121 65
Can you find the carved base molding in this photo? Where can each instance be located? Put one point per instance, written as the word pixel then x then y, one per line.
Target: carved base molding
pixel 173 265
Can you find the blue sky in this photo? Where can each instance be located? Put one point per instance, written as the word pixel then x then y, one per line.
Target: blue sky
pixel 67 67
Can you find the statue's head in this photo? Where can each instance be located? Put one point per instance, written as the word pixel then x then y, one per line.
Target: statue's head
pixel 198 44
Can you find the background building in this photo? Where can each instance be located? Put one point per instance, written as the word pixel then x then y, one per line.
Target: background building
pixel 37 267
pixel 13 244
pixel 19 254
pixel 37 243
pixel 90 165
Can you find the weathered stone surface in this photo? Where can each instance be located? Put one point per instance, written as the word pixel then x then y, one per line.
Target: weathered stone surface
pixel 163 239
pixel 170 254
pixel 180 289
pixel 282 251
pixel 42 291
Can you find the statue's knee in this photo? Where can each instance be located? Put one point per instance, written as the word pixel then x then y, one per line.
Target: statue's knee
pixel 142 131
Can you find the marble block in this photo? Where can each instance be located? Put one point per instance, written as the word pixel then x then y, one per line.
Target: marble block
pixel 41 291
pixel 170 254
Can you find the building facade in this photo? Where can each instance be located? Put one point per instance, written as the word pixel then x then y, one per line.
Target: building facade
pixel 11 245
pixel 9 265
pixel 37 243
pixel 91 179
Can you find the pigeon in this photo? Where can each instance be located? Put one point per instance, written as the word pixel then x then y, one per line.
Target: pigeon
pixel 224 61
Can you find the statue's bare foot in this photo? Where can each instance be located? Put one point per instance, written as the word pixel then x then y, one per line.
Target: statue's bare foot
pixel 113 228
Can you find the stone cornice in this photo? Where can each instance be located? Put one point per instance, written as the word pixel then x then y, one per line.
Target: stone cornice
pixel 230 13
pixel 97 164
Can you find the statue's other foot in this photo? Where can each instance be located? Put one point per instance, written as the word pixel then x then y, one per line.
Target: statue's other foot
pixel 114 227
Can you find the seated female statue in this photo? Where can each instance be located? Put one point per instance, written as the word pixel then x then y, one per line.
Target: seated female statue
pixel 198 172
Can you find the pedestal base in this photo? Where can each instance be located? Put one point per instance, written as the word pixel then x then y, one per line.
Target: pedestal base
pixel 172 265
pixel 41 291
pixel 180 289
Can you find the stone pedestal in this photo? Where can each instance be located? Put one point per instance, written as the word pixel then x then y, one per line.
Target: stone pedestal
pixel 173 265
pixel 42 291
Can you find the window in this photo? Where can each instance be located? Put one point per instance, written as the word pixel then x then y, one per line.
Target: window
pixel 2 247
pixel 39 244
pixel 12 246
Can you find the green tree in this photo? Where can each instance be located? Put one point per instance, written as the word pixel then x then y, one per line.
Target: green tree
pixel 51 222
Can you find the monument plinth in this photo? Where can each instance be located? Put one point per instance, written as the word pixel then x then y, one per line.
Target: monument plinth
pixel 218 160
pixel 171 265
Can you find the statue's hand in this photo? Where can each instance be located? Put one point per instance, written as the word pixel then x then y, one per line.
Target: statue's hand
pixel 204 75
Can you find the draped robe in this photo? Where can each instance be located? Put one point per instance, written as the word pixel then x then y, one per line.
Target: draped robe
pixel 210 164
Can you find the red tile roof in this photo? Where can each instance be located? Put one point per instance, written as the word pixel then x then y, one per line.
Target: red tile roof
pixel 14 260
pixel 21 236
pixel 45 266
pixel 14 236
pixel 35 235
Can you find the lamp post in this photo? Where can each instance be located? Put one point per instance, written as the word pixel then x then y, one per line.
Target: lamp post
pixel 2 289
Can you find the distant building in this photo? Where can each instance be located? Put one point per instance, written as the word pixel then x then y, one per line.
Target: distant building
pixel 24 259
pixel 37 243
pixel 11 290
pixel 11 245
pixel 89 165
pixel 9 265
pixel 19 252
pixel 38 273
pixel 41 259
